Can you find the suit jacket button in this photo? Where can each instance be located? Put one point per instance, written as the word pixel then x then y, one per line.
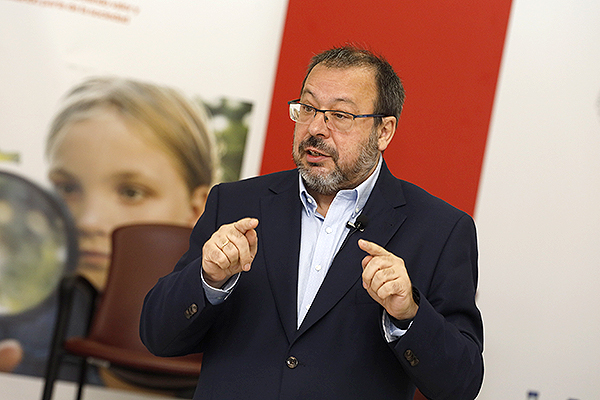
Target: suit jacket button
pixel 191 310
pixel 411 358
pixel 291 362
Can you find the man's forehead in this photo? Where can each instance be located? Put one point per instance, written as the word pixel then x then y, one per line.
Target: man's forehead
pixel 349 85
pixel 340 99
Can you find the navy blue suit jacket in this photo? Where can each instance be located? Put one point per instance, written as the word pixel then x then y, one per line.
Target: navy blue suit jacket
pixel 340 349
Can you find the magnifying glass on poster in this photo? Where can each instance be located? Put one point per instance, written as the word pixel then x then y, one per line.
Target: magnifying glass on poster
pixel 38 244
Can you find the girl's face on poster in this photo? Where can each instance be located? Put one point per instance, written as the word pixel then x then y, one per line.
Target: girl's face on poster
pixel 109 176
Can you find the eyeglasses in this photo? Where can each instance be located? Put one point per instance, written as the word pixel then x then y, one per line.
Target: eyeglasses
pixel 341 121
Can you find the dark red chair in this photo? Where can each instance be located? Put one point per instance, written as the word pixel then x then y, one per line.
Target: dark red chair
pixel 141 254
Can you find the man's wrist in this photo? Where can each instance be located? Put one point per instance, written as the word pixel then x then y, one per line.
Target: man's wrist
pixel 403 323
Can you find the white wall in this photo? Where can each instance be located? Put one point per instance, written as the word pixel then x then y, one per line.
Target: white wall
pixel 538 210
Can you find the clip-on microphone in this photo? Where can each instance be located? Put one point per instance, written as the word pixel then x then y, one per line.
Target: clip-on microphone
pixel 359 225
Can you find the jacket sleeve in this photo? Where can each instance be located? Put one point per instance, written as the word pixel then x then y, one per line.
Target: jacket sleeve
pixel 442 351
pixel 176 315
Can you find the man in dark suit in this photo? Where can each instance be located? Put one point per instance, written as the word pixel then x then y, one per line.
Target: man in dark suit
pixel 332 281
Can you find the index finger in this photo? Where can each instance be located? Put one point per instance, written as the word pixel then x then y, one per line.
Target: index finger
pixel 247 251
pixel 372 248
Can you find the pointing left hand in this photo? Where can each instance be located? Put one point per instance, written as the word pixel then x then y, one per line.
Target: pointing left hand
pixel 386 280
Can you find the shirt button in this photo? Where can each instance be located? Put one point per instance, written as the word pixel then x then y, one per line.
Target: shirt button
pixel 318 267
pixel 328 229
pixel 291 362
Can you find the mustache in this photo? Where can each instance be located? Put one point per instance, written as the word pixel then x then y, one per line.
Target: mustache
pixel 317 143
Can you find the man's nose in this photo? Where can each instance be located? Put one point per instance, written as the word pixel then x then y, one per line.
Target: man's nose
pixel 318 126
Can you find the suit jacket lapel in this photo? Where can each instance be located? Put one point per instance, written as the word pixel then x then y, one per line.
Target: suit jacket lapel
pixel 280 231
pixel 385 217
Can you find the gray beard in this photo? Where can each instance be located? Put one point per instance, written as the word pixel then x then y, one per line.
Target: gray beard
pixel 340 178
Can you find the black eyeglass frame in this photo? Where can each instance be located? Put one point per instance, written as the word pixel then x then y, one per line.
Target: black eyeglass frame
pixel 354 116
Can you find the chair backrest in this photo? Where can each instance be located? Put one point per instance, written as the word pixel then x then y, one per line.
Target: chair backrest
pixel 141 254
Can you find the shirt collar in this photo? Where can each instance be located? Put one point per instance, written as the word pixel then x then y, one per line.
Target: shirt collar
pixel 361 192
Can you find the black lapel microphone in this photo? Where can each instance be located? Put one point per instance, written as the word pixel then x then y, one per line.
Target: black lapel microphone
pixel 359 225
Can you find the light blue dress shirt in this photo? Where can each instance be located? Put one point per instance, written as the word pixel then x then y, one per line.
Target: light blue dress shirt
pixel 322 237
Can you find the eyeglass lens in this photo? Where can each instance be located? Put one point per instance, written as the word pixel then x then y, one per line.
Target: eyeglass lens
pixel 304 114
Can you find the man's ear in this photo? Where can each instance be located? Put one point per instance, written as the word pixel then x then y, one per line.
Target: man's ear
pixel 386 131
pixel 197 202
